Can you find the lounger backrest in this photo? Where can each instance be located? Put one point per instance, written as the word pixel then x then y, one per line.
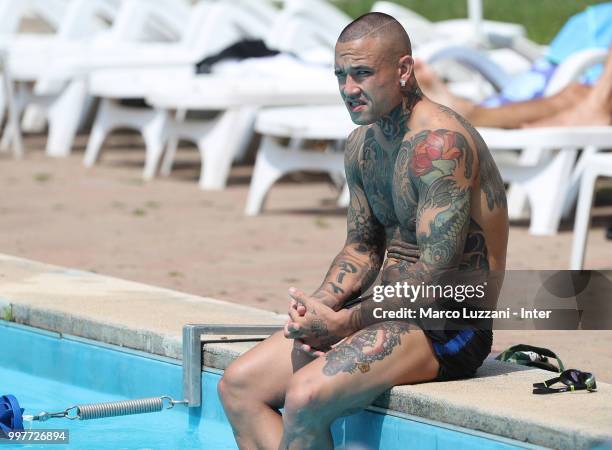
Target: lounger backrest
pixel 573 67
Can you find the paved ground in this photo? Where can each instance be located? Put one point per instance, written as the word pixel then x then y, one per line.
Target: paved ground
pixel 169 233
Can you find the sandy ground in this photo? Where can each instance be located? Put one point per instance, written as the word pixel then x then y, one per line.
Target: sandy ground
pixel 169 233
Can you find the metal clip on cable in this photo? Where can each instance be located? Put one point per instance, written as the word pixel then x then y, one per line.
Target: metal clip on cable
pixel 44 416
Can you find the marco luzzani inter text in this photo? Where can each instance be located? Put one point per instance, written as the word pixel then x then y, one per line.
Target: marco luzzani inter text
pixel 458 293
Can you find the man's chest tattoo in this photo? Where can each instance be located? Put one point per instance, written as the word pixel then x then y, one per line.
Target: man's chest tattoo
pixel 377 174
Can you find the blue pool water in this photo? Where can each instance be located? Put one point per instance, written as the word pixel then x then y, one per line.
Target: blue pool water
pixel 49 372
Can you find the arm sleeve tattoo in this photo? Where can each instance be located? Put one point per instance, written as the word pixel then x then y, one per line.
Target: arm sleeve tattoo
pixel 356 266
pixel 437 165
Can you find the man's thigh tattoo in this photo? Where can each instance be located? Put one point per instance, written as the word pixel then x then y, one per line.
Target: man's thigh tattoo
pixel 364 347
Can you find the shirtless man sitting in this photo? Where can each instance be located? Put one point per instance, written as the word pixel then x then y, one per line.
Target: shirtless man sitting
pixel 418 174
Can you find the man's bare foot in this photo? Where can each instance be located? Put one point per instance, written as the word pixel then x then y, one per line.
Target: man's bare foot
pixel 435 89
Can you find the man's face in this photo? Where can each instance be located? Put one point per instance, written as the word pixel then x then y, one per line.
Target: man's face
pixel 368 78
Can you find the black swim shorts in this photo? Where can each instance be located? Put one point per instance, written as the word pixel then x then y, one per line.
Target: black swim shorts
pixel 460 352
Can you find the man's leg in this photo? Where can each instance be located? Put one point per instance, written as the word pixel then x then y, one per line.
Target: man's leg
pixel 253 389
pixel 350 377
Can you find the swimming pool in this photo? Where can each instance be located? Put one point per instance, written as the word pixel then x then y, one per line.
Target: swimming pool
pixel 50 372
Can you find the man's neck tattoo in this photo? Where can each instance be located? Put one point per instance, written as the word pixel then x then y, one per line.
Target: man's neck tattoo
pixel 395 124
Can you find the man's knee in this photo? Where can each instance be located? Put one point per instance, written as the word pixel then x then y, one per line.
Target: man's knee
pixel 235 382
pixel 306 404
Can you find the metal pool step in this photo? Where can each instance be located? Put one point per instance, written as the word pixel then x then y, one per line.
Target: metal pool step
pixel 192 352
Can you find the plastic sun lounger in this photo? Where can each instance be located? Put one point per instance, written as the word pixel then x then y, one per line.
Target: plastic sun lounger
pixel 48 66
pixel 81 20
pixel 299 28
pixel 211 27
pixel 296 124
pixel 238 99
pixel 13 12
pixel 59 15
pixel 595 166
pixel 546 182
pixel 83 35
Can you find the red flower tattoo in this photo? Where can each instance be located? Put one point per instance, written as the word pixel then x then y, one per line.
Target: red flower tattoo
pixel 438 144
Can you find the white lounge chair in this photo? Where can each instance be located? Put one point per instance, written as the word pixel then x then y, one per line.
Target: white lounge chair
pixel 13 12
pixel 294 125
pixel 238 99
pixel 566 73
pixel 28 54
pixel 212 27
pixel 297 30
pixel 595 166
pixel 307 28
pixel 67 59
pixel 546 181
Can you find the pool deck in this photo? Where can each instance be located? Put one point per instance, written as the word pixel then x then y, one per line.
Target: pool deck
pixel 147 318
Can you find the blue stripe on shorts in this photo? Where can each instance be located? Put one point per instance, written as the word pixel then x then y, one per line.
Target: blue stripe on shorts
pixel 455 344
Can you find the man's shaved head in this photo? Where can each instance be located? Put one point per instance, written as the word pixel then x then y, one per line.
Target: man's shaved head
pixel 373 65
pixel 379 25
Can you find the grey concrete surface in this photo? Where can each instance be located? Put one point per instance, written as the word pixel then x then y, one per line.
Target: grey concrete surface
pixel 134 315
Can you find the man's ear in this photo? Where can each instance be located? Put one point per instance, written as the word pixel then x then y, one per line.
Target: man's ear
pixel 406 67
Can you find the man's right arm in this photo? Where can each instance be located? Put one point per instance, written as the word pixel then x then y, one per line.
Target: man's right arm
pixel 358 263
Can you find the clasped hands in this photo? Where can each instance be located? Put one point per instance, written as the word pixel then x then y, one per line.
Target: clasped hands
pixel 314 326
